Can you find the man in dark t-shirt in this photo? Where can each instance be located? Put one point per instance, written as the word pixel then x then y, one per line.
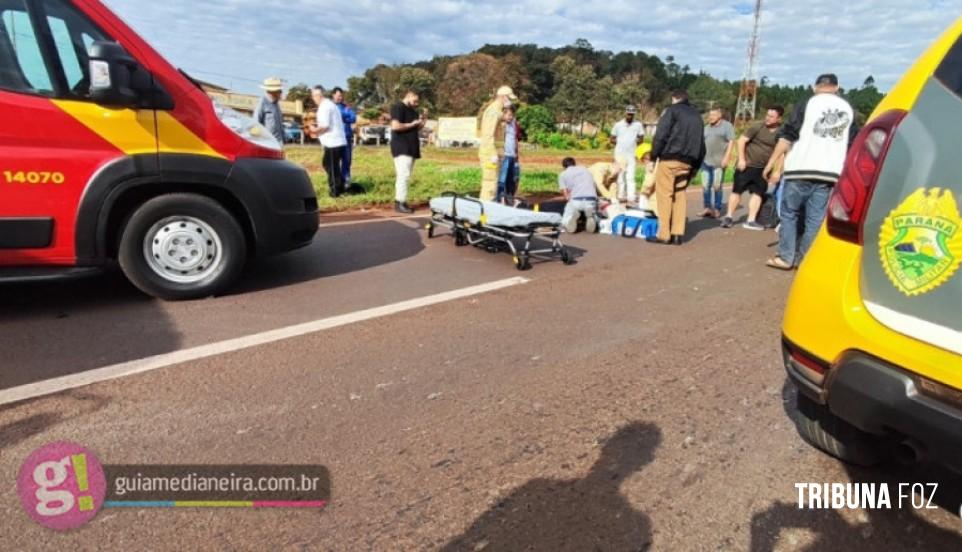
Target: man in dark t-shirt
pixel 406 124
pixel 754 150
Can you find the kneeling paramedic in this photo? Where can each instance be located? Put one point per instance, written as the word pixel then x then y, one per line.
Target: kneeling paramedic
pixel 581 195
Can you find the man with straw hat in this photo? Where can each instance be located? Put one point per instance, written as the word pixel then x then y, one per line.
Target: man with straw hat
pixel 268 110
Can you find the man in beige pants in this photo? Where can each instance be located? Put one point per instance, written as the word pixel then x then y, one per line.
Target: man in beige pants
pixel 671 184
pixel 679 149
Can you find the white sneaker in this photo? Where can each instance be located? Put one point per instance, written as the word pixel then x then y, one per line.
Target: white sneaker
pixel 572 225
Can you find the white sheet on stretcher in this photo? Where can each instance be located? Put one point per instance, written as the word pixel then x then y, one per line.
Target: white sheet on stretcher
pixel 497 214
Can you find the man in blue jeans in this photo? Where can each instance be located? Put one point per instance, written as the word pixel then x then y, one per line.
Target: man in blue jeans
pixel 819 133
pixel 509 173
pixel 719 142
pixel 349 118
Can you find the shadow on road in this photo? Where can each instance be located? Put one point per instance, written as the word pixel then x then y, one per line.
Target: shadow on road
pixel 50 330
pixel 698 225
pixel 74 405
pixel 336 250
pixel 56 329
pixel 573 514
pixel 885 529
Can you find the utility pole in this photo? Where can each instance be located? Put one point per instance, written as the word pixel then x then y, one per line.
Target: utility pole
pixel 747 97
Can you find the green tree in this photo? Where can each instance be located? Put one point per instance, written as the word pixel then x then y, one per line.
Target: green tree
pixel 575 86
pixel 582 44
pixel 468 83
pixel 603 101
pixel 707 92
pixel 301 91
pixel 630 91
pixel 864 100
pixel 419 80
pixel 376 88
pixel 535 119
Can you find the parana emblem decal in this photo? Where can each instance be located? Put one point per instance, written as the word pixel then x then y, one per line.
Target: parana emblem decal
pixel 921 241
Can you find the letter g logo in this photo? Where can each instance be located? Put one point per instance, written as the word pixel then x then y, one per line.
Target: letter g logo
pixel 61 486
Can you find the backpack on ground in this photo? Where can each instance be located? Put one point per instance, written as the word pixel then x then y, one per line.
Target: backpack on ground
pixel 633 224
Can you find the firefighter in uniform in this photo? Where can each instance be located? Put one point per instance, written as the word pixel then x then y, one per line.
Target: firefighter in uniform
pixel 488 152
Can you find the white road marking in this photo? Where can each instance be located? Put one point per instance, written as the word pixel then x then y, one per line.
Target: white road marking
pixel 63 383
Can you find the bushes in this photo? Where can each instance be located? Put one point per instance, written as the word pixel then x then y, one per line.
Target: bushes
pixel 553 140
pixel 372 113
pixel 566 141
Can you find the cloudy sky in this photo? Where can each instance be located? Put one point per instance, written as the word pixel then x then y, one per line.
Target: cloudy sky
pixel 237 43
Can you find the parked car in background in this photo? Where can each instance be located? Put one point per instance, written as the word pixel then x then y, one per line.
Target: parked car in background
pixel 373 135
pixel 292 133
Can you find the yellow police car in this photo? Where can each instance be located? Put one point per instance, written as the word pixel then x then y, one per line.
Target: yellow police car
pixel 872 336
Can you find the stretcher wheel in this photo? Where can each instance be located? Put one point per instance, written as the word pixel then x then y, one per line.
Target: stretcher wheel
pixel 430 228
pixel 522 262
pixel 566 257
pixel 460 239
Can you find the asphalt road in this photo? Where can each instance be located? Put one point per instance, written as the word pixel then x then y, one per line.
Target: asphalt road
pixel 632 401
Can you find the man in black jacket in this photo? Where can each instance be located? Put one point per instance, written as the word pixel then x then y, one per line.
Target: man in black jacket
pixel 679 151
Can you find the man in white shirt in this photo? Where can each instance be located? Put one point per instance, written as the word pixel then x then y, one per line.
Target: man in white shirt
pixel 626 135
pixel 329 127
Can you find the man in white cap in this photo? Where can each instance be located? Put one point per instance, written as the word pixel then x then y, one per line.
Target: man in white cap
pixel 488 152
pixel 626 135
pixel 268 110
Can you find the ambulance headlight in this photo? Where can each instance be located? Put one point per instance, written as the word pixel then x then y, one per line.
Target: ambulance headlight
pixel 247 128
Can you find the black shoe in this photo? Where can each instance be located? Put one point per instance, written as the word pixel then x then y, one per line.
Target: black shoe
pixel 656 240
pixel 402 207
pixel 676 240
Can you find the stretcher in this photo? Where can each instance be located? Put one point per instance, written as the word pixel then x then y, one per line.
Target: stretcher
pixel 496 227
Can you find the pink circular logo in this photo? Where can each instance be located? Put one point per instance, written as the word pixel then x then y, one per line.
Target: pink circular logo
pixel 61 485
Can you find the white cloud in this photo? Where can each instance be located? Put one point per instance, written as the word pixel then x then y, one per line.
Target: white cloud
pixel 239 42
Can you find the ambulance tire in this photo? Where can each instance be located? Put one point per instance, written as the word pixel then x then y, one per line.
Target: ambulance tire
pixel 200 214
pixel 833 435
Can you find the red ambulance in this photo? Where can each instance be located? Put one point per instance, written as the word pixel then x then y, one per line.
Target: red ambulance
pixel 109 153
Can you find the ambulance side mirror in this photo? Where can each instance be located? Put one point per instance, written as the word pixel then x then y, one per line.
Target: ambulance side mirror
pixel 114 75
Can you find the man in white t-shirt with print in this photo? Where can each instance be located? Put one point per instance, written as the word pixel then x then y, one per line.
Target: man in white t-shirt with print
pixel 626 135
pixel 813 143
pixel 329 126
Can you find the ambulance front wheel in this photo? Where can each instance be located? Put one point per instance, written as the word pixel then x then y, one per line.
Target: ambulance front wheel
pixel 182 246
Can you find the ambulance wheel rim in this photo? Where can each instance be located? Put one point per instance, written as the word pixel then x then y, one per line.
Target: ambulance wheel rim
pixel 183 249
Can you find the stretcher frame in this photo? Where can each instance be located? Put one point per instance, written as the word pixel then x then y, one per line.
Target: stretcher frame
pixel 494 238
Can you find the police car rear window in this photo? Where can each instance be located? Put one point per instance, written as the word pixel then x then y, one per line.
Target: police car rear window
pixel 950 71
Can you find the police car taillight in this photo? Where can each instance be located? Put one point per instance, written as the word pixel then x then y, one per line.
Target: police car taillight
pixel 849 202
